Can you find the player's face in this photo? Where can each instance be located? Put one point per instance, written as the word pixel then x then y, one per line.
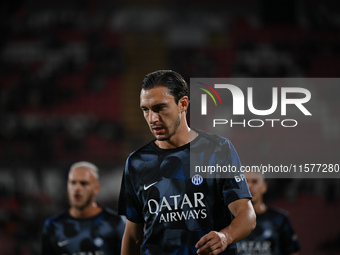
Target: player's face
pixel 82 187
pixel 161 112
pixel 257 187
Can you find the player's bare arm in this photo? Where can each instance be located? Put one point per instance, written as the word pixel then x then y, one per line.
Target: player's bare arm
pixel 244 222
pixel 132 238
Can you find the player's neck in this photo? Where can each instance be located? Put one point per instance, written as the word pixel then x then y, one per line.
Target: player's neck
pixel 91 210
pixel 183 135
pixel 260 207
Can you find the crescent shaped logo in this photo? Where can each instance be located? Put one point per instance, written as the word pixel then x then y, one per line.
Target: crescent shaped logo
pixel 210 94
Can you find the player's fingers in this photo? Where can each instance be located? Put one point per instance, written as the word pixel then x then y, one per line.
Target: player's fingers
pixel 217 243
pixel 216 248
pixel 215 252
pixel 209 247
pixel 204 239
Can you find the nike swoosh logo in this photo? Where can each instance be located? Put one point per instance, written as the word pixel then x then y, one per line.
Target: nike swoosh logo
pixel 150 185
pixel 63 243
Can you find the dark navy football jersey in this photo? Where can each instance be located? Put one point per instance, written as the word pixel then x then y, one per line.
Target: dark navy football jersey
pixel 178 210
pixel 273 235
pixel 99 235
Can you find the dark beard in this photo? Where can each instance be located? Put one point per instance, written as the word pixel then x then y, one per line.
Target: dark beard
pixel 171 134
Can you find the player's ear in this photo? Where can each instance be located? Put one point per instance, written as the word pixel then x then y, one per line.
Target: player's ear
pixel 97 188
pixel 184 103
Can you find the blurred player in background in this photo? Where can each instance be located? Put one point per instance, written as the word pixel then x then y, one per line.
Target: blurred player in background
pixel 86 228
pixel 167 211
pixel 273 234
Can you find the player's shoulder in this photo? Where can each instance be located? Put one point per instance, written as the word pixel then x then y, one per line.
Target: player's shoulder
pixel 215 139
pixel 57 218
pixel 113 215
pixel 278 212
pixel 146 148
pixel 109 212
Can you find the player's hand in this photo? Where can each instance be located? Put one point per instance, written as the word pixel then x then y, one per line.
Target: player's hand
pixel 212 243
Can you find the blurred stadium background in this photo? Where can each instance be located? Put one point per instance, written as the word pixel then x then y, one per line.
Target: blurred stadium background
pixel 69 90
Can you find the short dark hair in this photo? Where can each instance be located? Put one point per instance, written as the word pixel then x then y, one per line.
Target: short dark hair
pixel 173 81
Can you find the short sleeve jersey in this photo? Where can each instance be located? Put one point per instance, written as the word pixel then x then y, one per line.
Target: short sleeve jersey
pixel 273 235
pixel 98 235
pixel 177 211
